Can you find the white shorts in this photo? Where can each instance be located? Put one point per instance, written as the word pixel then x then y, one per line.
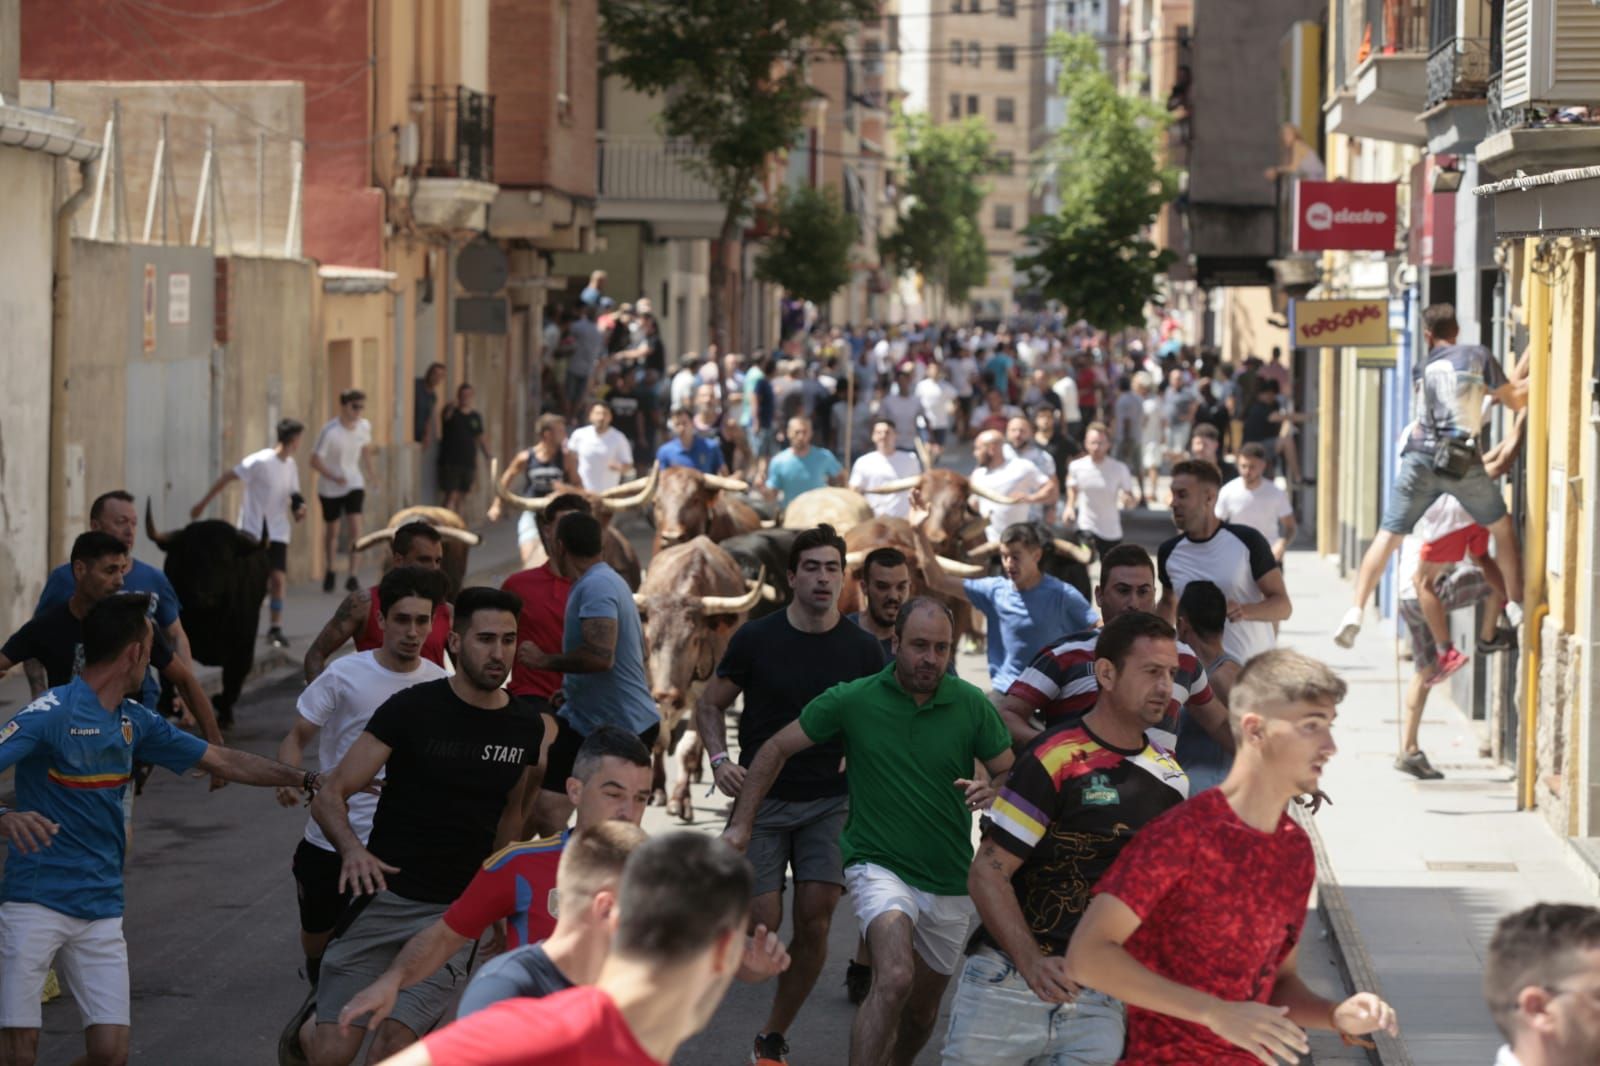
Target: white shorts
pixel 91 955
pixel 939 924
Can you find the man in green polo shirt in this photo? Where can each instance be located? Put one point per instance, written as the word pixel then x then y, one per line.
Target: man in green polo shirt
pixel 912 736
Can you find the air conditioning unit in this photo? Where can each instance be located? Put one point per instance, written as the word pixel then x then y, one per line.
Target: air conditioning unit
pixel 1551 53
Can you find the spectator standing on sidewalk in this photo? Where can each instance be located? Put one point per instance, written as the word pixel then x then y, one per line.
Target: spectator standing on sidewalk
pixel 1254 500
pixel 1540 982
pixel 460 444
pixel 340 458
pixel 1099 488
pixel 424 428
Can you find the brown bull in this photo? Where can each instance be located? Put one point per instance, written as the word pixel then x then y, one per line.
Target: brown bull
pixel 691 601
pixel 458 540
pixel 843 509
pixel 919 553
pixel 951 526
pixel 615 550
pixel 689 504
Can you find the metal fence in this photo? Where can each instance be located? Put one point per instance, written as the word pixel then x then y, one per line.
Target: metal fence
pixel 456 130
pixel 651 168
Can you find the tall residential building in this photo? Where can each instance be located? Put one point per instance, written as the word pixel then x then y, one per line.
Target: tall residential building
pixel 1093 18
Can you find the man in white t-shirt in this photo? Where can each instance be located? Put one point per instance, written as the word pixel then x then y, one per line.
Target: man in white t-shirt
pixel 1014 479
pixel 882 465
pixel 1066 390
pixel 604 454
pixel 938 399
pixel 903 406
pixel 1253 500
pixel 339 457
pixel 337 705
pixel 1099 488
pixel 271 497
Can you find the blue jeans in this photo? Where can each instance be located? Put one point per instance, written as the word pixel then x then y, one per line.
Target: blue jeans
pixel 1417 486
pixel 996 1020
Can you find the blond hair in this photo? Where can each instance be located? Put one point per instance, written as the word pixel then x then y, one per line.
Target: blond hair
pixel 592 859
pixel 1279 677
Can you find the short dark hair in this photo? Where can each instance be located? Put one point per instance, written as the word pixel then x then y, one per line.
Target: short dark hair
pixel 888 558
pixel 680 891
pixel 1200 470
pixel 351 396
pixel 880 421
pixel 410 532
pixel 469 601
pixel 566 503
pixel 98 508
pixel 608 742
pixel 1537 945
pixel 579 534
pixel 1253 450
pixel 917 603
pixel 1206 608
pixel 1024 533
pixel 113 624
pixel 823 536
pixel 405 581
pixel 1208 431
pixel 94 545
pixel 1440 320
pixel 1124 555
pixel 592 404
pixel 289 429
pixel 1120 634
pixel 463 387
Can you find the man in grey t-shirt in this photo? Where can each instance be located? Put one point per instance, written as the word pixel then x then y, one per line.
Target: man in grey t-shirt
pixel 588 348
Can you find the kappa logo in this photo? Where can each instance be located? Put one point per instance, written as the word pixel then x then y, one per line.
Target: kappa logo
pixel 47 701
pixel 1100 792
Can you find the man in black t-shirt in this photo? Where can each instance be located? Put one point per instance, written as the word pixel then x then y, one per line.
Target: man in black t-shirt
pixel 460 443
pixel 781 663
pixel 1073 800
pixel 461 754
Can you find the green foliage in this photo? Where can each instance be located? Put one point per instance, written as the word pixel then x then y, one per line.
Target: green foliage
pixel 941 194
pixel 810 254
pixel 1093 254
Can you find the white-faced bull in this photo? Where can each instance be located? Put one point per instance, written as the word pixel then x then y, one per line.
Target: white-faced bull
pixel 458 540
pixel 615 549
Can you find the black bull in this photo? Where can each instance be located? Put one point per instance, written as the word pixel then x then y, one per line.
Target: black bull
pixel 766 551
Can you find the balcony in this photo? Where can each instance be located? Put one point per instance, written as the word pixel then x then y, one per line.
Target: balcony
pixel 653 180
pixel 1460 60
pixel 1536 140
pixel 448 153
pixel 1389 85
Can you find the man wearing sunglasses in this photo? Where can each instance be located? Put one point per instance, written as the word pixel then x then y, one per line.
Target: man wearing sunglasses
pixel 340 460
pixel 1542 984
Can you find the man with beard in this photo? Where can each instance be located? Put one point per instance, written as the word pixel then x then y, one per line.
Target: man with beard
pixel 911 736
pixel 1195 926
pixel 885 585
pixel 781 663
pixel 460 756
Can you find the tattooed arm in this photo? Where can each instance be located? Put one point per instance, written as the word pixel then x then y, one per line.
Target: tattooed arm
pixel 38 680
pixel 344 625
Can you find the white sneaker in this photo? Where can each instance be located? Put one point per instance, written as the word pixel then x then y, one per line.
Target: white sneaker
pixel 1514 615
pixel 1346 636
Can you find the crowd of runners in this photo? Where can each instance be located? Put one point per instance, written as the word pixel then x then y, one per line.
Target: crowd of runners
pixel 474 887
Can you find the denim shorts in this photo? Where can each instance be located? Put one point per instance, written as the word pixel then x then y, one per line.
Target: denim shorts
pixel 1417 486
pixel 996 1020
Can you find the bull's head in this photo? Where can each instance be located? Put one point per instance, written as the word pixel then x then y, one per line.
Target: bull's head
pixel 683 502
pixel 446 521
pixel 629 494
pixel 683 635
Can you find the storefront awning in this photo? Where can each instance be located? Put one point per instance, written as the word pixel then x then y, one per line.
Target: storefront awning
pixel 1562 203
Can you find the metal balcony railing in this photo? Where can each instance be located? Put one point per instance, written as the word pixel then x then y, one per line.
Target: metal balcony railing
pixel 651 168
pixel 1459 50
pixel 455 127
pixel 1503 118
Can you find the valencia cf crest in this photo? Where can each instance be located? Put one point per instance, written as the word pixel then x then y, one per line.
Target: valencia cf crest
pixel 127 730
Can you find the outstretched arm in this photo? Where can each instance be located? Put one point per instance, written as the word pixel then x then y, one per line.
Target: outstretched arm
pixel 200 508
pixel 764 770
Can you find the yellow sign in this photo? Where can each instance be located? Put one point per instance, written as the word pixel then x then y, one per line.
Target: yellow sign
pixel 1378 359
pixel 1339 323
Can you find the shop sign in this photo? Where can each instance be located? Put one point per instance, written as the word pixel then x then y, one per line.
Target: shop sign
pixel 1339 323
pixel 1349 216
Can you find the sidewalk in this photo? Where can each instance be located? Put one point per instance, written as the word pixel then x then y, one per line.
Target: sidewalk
pixel 1415 874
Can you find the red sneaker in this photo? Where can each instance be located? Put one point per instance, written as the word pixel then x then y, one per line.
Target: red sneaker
pixel 1451 661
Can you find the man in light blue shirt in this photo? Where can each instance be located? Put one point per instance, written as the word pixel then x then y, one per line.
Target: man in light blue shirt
pixel 1026 609
pixel 800 467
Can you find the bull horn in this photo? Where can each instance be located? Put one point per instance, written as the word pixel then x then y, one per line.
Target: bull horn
pixel 536 504
pixel 726 484
pixel 377 536
pixel 983 551
pixel 853 560
pixel 955 569
pixel 734 604
pixel 768 523
pixel 992 497
pixel 639 600
pixel 639 499
pixel 1071 550
pixel 625 488
pixel 160 540
pixel 902 484
pixel 768 593
pixel 972 528
pixel 460 536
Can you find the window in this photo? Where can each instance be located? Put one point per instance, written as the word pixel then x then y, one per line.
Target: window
pixel 955 105
pixel 1005 57
pixel 972 104
pixel 1004 161
pixel 975 6
pixel 1002 216
pixel 955 54
pixel 1007 8
pixel 1005 109
pixel 974 54
pixel 955 7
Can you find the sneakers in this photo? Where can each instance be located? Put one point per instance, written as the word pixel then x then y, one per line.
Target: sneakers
pixel 290 1053
pixel 1349 628
pixel 1417 765
pixel 327 581
pixel 1514 614
pixel 276 638
pixel 1503 640
pixel 1450 660
pixel 771 1050
pixel 351 584
pixel 857 982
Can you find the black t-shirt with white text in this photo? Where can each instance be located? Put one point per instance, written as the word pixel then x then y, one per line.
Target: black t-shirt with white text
pixel 451 767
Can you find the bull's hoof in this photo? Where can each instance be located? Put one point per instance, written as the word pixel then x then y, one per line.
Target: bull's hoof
pixel 658 797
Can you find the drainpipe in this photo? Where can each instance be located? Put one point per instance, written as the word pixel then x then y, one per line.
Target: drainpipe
pixel 61 317
pixel 1535 608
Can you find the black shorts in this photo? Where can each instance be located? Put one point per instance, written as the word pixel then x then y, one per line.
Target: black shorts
pixel 336 507
pixel 316 879
pixel 564 752
pixel 1102 545
pixel 278 554
pixel 454 478
pixel 938 436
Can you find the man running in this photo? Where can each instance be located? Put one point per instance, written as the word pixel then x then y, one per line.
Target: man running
pixel 543 591
pixel 1205 444
pixel 1254 500
pixel 885 463
pixel 542 467
pixel 340 458
pixel 687 447
pixel 271 497
pixel 74 748
pixel 1099 489
pixel 781 663
pixel 1069 806
pixel 461 755
pixel 911 736
pixel 1013 479
pixel 800 467
pixel 1195 926
pixel 415 544
pixel 334 709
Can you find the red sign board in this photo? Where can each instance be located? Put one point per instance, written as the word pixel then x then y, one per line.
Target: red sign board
pixel 1344 216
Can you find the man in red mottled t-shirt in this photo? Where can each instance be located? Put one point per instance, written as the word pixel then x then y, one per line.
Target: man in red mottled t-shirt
pixel 1196 925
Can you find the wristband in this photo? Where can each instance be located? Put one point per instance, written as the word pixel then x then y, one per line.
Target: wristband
pixel 717 760
pixel 7 810
pixel 309 785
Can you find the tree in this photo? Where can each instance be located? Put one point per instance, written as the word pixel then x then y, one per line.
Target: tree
pixel 937 233
pixel 810 253
pixel 1093 254
pixel 732 78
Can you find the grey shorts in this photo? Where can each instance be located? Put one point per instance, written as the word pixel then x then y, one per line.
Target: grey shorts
pixel 1458 588
pixel 803 834
pixel 364 949
pixel 1417 486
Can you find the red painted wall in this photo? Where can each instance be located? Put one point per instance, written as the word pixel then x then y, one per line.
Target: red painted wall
pixel 325 44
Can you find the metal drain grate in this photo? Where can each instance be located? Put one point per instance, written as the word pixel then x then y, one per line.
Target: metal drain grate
pixel 1447 867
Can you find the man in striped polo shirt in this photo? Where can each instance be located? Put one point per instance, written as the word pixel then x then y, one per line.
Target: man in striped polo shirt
pixel 1060 681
